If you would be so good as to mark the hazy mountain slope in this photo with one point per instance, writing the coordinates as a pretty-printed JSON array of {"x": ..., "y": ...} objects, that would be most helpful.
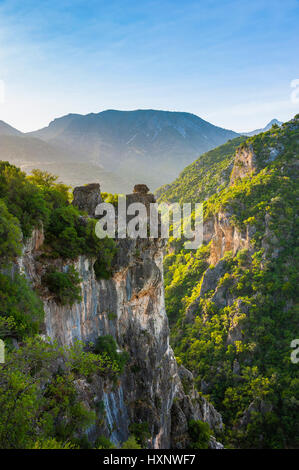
[
  {"x": 264, "y": 129},
  {"x": 29, "y": 152},
  {"x": 6, "y": 129},
  {"x": 201, "y": 179},
  {"x": 144, "y": 145}
]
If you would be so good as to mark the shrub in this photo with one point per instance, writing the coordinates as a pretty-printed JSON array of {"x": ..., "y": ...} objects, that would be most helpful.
[
  {"x": 131, "y": 443},
  {"x": 55, "y": 194},
  {"x": 141, "y": 432},
  {"x": 62, "y": 234},
  {"x": 103, "y": 265},
  {"x": 199, "y": 433},
  {"x": 52, "y": 443},
  {"x": 110, "y": 198},
  {"x": 107, "y": 344},
  {"x": 65, "y": 285},
  {"x": 70, "y": 235},
  {"x": 103, "y": 442}
]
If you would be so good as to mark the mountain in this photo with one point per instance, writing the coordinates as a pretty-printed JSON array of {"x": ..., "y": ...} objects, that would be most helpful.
[
  {"x": 28, "y": 152},
  {"x": 6, "y": 129},
  {"x": 233, "y": 303},
  {"x": 232, "y": 306},
  {"x": 266, "y": 128},
  {"x": 142, "y": 146}
]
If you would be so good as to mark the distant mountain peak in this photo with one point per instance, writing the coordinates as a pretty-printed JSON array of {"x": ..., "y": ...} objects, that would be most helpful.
[
  {"x": 142, "y": 144},
  {"x": 264, "y": 129},
  {"x": 274, "y": 121}
]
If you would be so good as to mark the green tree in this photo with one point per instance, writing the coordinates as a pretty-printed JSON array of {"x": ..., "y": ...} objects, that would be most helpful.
[{"x": 10, "y": 235}]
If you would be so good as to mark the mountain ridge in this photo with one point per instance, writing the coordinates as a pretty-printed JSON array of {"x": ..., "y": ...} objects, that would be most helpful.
[
  {"x": 116, "y": 147},
  {"x": 7, "y": 129},
  {"x": 264, "y": 129},
  {"x": 115, "y": 139}
]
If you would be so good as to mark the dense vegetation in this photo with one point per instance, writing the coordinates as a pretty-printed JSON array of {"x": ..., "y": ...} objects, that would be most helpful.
[
  {"x": 40, "y": 404},
  {"x": 236, "y": 337}
]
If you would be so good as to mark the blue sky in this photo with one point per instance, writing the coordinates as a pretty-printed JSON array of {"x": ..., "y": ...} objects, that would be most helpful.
[{"x": 230, "y": 62}]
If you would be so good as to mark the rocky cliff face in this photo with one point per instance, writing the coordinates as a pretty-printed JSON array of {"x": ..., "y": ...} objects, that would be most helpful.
[
  {"x": 87, "y": 197},
  {"x": 244, "y": 163},
  {"x": 218, "y": 229},
  {"x": 225, "y": 236},
  {"x": 130, "y": 307}
]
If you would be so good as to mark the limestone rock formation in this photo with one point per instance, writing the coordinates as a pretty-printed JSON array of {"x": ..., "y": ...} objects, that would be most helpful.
[
  {"x": 141, "y": 194},
  {"x": 244, "y": 164},
  {"x": 130, "y": 307},
  {"x": 141, "y": 188},
  {"x": 226, "y": 237},
  {"x": 86, "y": 198}
]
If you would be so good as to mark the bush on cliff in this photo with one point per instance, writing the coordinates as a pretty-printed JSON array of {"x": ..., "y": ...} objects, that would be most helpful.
[
  {"x": 200, "y": 434},
  {"x": 103, "y": 265},
  {"x": 70, "y": 235},
  {"x": 64, "y": 285},
  {"x": 55, "y": 193},
  {"x": 141, "y": 433},
  {"x": 63, "y": 233},
  {"x": 21, "y": 311},
  {"x": 107, "y": 344},
  {"x": 131, "y": 443}
]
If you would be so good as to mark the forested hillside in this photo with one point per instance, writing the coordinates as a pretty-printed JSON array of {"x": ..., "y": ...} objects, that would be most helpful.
[{"x": 233, "y": 304}]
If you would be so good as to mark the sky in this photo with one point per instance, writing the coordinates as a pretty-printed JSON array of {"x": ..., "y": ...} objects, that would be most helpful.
[{"x": 231, "y": 62}]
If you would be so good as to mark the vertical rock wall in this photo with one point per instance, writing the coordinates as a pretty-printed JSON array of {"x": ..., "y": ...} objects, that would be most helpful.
[{"x": 130, "y": 307}]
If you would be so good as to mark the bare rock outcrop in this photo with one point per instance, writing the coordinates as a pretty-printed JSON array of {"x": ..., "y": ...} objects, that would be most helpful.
[
  {"x": 227, "y": 237},
  {"x": 141, "y": 194},
  {"x": 86, "y": 198},
  {"x": 141, "y": 189},
  {"x": 244, "y": 164}
]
